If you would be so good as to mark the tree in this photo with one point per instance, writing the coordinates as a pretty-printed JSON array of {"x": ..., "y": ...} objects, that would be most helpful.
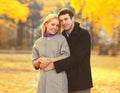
[
  {"x": 35, "y": 17},
  {"x": 103, "y": 13},
  {"x": 14, "y": 10}
]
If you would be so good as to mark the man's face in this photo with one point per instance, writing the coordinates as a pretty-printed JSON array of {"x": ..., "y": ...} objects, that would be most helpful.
[{"x": 66, "y": 22}]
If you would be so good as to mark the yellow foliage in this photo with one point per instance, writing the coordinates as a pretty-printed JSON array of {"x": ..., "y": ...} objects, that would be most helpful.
[
  {"x": 48, "y": 6},
  {"x": 103, "y": 12},
  {"x": 77, "y": 5},
  {"x": 62, "y": 2},
  {"x": 14, "y": 10}
]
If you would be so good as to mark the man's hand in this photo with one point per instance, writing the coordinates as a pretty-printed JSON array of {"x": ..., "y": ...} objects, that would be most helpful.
[{"x": 49, "y": 67}]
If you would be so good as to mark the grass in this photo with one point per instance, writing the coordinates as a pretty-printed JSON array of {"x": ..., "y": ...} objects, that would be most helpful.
[
  {"x": 17, "y": 74},
  {"x": 106, "y": 75}
]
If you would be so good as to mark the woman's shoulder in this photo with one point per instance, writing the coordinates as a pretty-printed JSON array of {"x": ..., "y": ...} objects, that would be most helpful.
[
  {"x": 38, "y": 40},
  {"x": 60, "y": 36}
]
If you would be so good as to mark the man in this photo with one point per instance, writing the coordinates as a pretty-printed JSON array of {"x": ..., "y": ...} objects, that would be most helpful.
[{"x": 77, "y": 66}]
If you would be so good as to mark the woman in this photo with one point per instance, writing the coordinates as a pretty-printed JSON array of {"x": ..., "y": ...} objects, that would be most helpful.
[{"x": 52, "y": 45}]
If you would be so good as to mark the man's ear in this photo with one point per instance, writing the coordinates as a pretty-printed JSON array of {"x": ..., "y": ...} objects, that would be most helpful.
[{"x": 73, "y": 18}]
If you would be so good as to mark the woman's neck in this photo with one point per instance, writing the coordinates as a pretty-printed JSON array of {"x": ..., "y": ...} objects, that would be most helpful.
[{"x": 46, "y": 34}]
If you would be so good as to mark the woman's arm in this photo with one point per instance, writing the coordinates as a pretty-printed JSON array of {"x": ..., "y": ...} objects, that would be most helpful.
[
  {"x": 64, "y": 53},
  {"x": 35, "y": 57}
]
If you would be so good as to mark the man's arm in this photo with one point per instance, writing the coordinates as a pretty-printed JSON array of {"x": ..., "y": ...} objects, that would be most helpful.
[{"x": 81, "y": 53}]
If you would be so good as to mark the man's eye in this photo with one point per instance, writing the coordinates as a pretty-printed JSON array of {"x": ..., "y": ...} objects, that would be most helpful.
[{"x": 66, "y": 18}]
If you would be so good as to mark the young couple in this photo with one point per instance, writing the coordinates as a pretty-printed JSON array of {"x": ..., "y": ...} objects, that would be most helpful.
[{"x": 63, "y": 60}]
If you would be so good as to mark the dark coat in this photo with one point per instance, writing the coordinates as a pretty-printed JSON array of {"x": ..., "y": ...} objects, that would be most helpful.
[{"x": 77, "y": 66}]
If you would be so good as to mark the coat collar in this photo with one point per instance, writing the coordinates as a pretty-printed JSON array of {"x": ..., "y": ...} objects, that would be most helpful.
[{"x": 75, "y": 29}]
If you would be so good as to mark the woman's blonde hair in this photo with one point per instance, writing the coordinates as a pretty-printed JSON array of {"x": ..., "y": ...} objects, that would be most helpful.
[{"x": 48, "y": 19}]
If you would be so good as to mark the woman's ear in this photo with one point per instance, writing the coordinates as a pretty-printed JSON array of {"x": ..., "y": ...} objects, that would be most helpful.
[{"x": 45, "y": 25}]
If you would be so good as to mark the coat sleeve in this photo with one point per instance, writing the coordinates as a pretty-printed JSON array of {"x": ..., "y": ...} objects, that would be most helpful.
[
  {"x": 35, "y": 56},
  {"x": 81, "y": 54},
  {"x": 64, "y": 49}
]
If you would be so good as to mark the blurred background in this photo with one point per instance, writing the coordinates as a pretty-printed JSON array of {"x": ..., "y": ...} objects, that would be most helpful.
[{"x": 20, "y": 22}]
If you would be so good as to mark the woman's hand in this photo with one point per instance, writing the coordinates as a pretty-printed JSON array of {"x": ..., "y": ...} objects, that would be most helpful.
[
  {"x": 44, "y": 62},
  {"x": 37, "y": 64}
]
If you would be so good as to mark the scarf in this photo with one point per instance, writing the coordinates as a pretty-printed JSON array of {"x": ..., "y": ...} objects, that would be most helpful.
[{"x": 48, "y": 34}]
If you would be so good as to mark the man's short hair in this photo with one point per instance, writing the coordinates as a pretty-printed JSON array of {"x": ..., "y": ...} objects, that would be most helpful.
[{"x": 64, "y": 11}]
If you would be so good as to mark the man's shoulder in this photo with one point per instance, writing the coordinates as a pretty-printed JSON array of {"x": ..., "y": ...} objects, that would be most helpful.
[
  {"x": 81, "y": 32},
  {"x": 83, "y": 29},
  {"x": 79, "y": 29}
]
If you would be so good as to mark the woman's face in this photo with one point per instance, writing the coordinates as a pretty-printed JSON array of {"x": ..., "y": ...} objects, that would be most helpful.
[{"x": 52, "y": 26}]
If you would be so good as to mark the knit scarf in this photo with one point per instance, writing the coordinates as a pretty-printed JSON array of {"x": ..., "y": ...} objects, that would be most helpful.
[{"x": 48, "y": 34}]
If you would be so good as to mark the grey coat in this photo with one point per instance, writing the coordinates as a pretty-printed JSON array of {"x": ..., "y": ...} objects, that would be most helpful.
[{"x": 55, "y": 47}]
